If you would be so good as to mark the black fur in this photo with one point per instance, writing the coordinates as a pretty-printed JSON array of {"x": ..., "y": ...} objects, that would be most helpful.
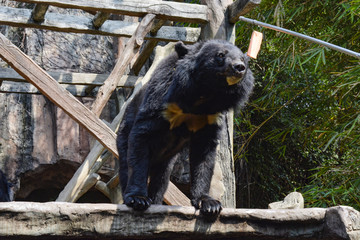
[{"x": 194, "y": 80}]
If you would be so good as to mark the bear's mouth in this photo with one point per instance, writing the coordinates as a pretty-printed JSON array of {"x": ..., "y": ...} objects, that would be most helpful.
[{"x": 232, "y": 77}]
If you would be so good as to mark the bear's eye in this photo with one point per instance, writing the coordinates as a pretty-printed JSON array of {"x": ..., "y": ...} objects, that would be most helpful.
[{"x": 221, "y": 55}]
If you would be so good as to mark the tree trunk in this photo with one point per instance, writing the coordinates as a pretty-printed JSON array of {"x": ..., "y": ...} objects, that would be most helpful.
[{"x": 223, "y": 183}]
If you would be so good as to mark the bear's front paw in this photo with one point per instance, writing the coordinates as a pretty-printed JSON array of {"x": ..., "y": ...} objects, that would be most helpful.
[
  {"x": 208, "y": 206},
  {"x": 138, "y": 203}
]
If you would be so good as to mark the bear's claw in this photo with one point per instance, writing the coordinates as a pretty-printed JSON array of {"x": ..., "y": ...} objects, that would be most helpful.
[
  {"x": 138, "y": 203},
  {"x": 210, "y": 207}
]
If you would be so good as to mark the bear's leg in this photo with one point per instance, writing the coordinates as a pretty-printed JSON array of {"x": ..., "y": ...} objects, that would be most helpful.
[
  {"x": 202, "y": 161},
  {"x": 122, "y": 146},
  {"x": 135, "y": 194},
  {"x": 159, "y": 179}
]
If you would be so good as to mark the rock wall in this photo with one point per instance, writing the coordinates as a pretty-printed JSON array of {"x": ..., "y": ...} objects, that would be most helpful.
[{"x": 35, "y": 135}]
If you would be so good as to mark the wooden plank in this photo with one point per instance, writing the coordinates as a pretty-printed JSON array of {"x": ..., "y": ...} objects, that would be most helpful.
[
  {"x": 240, "y": 8},
  {"x": 57, "y": 94},
  {"x": 39, "y": 11},
  {"x": 131, "y": 48},
  {"x": 99, "y": 19},
  {"x": 145, "y": 54},
  {"x": 147, "y": 48},
  {"x": 173, "y": 196},
  {"x": 28, "y": 88},
  {"x": 19, "y": 17},
  {"x": 181, "y": 12},
  {"x": 87, "y": 79}
]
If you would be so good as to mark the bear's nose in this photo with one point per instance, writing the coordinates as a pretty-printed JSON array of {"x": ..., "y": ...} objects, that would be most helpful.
[{"x": 239, "y": 67}]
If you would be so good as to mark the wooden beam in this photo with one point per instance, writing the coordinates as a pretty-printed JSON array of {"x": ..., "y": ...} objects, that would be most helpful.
[
  {"x": 182, "y": 12},
  {"x": 223, "y": 180},
  {"x": 29, "y": 70},
  {"x": 100, "y": 18},
  {"x": 28, "y": 88},
  {"x": 87, "y": 79},
  {"x": 173, "y": 196},
  {"x": 148, "y": 47},
  {"x": 19, "y": 17},
  {"x": 39, "y": 11},
  {"x": 240, "y": 8},
  {"x": 131, "y": 48},
  {"x": 145, "y": 54}
]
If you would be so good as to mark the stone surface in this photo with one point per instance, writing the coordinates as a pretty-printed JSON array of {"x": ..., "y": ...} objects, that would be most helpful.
[
  {"x": 40, "y": 145},
  {"x": 110, "y": 221},
  {"x": 293, "y": 200}
]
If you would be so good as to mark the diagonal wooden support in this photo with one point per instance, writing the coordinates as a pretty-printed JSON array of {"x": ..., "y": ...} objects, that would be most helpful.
[
  {"x": 39, "y": 11},
  {"x": 131, "y": 48},
  {"x": 100, "y": 18},
  {"x": 48, "y": 86},
  {"x": 148, "y": 47}
]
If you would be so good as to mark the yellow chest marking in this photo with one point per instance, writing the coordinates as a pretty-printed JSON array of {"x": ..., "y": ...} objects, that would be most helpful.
[{"x": 194, "y": 122}]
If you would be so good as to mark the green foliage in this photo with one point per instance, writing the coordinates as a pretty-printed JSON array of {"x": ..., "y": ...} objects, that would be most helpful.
[{"x": 301, "y": 128}]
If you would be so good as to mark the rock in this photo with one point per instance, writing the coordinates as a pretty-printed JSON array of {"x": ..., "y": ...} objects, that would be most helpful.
[
  {"x": 55, "y": 220},
  {"x": 35, "y": 134},
  {"x": 293, "y": 200}
]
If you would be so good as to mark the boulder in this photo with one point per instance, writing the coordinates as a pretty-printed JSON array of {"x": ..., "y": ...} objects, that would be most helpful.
[{"x": 293, "y": 200}]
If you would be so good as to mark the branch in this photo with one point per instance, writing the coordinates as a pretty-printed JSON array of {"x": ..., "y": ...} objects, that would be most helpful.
[{"x": 240, "y": 8}]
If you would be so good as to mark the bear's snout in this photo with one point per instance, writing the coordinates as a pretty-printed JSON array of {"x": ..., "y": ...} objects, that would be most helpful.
[{"x": 239, "y": 68}]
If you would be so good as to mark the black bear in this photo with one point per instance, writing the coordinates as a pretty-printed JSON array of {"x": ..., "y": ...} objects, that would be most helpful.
[{"x": 180, "y": 107}]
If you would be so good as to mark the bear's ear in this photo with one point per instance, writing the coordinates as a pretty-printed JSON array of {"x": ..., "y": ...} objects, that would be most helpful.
[{"x": 181, "y": 49}]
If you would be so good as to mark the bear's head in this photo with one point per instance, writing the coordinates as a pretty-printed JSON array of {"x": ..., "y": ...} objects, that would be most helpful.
[
  {"x": 210, "y": 77},
  {"x": 222, "y": 61}
]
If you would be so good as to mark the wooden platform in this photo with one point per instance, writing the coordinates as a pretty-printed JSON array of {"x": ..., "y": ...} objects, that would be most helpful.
[{"x": 29, "y": 220}]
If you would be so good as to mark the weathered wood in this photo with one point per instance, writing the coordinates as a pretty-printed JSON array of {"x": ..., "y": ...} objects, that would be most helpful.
[
  {"x": 145, "y": 54},
  {"x": 173, "y": 196},
  {"x": 182, "y": 12},
  {"x": 103, "y": 188},
  {"x": 57, "y": 94},
  {"x": 90, "y": 181},
  {"x": 30, "y": 220},
  {"x": 28, "y": 88},
  {"x": 240, "y": 8},
  {"x": 39, "y": 11},
  {"x": 218, "y": 27},
  {"x": 80, "y": 24},
  {"x": 131, "y": 48},
  {"x": 147, "y": 48},
  {"x": 71, "y": 190},
  {"x": 156, "y": 26},
  {"x": 87, "y": 79},
  {"x": 99, "y": 19}
]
